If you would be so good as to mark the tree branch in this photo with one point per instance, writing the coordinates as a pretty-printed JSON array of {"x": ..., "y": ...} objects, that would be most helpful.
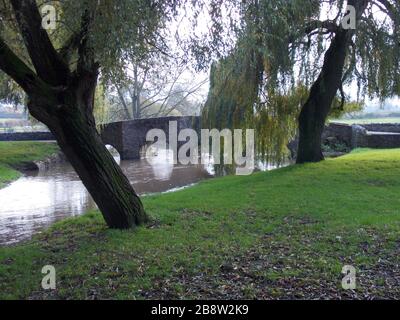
[
  {"x": 86, "y": 60},
  {"x": 317, "y": 24},
  {"x": 70, "y": 45},
  {"x": 389, "y": 9},
  {"x": 44, "y": 57},
  {"x": 122, "y": 100},
  {"x": 12, "y": 65}
]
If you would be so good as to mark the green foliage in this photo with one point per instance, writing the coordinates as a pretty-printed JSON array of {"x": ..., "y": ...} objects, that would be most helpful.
[
  {"x": 101, "y": 106},
  {"x": 306, "y": 223},
  {"x": 338, "y": 109},
  {"x": 117, "y": 29},
  {"x": 292, "y": 37},
  {"x": 335, "y": 147},
  {"x": 279, "y": 50},
  {"x": 10, "y": 93},
  {"x": 237, "y": 100}
]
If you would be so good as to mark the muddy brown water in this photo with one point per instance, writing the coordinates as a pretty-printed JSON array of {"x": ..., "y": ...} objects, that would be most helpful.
[{"x": 38, "y": 199}]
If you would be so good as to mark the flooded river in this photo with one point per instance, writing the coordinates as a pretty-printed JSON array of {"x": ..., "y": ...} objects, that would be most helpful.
[{"x": 39, "y": 199}]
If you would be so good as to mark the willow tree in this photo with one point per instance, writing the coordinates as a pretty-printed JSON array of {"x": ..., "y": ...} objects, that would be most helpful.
[
  {"x": 57, "y": 63},
  {"x": 237, "y": 100},
  {"x": 292, "y": 48}
]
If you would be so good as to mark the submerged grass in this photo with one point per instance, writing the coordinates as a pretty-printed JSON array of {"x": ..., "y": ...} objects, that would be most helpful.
[{"x": 280, "y": 234}]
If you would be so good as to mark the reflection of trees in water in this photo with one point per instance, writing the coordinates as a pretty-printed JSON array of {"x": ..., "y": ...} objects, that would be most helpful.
[
  {"x": 44, "y": 197},
  {"x": 222, "y": 169}
]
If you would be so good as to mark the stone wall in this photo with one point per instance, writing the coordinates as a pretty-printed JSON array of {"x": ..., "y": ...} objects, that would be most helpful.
[
  {"x": 338, "y": 133},
  {"x": 383, "y": 127},
  {"x": 379, "y": 135},
  {"x": 365, "y": 136},
  {"x": 382, "y": 140},
  {"x": 356, "y": 136}
]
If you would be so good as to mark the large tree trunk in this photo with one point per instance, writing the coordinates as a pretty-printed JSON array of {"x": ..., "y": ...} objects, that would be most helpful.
[
  {"x": 101, "y": 175},
  {"x": 74, "y": 127},
  {"x": 63, "y": 99},
  {"x": 314, "y": 113}
]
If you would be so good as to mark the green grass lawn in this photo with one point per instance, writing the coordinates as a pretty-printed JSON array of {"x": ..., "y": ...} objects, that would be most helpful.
[
  {"x": 280, "y": 234},
  {"x": 14, "y": 154}
]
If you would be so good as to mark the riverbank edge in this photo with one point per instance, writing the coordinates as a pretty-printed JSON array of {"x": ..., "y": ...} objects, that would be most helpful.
[
  {"x": 26, "y": 157},
  {"x": 48, "y": 161}
]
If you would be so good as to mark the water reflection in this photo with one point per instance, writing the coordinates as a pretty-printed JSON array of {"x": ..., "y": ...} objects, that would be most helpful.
[{"x": 39, "y": 199}]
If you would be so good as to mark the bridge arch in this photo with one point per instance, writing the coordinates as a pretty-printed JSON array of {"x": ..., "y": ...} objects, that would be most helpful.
[{"x": 129, "y": 137}]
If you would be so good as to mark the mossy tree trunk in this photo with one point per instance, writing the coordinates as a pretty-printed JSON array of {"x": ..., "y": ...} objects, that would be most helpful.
[
  {"x": 315, "y": 111},
  {"x": 63, "y": 100},
  {"x": 76, "y": 133}
]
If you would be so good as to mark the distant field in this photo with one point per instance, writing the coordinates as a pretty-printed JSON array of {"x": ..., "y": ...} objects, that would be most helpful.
[
  {"x": 9, "y": 120},
  {"x": 19, "y": 125},
  {"x": 23, "y": 129},
  {"x": 368, "y": 121}
]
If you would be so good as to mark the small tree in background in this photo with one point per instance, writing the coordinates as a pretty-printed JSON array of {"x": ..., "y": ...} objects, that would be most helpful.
[{"x": 154, "y": 86}]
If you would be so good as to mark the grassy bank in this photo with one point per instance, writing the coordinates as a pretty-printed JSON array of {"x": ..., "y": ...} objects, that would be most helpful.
[
  {"x": 281, "y": 234},
  {"x": 13, "y": 155}
]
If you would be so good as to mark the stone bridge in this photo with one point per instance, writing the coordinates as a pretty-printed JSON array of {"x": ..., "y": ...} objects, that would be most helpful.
[{"x": 129, "y": 137}]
